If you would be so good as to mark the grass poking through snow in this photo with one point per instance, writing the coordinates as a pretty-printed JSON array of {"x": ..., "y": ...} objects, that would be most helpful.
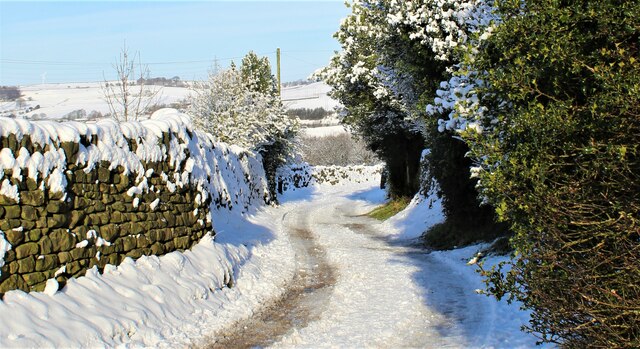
[{"x": 389, "y": 209}]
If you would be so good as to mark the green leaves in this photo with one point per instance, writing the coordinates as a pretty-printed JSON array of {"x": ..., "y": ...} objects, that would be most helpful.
[{"x": 561, "y": 164}]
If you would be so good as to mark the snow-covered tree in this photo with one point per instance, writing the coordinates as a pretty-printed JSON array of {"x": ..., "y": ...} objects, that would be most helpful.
[
  {"x": 395, "y": 54},
  {"x": 256, "y": 73},
  {"x": 372, "y": 100},
  {"x": 236, "y": 108},
  {"x": 433, "y": 38}
]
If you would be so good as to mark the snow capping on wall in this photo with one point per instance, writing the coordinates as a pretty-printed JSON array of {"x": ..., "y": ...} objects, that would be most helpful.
[
  {"x": 46, "y": 156},
  {"x": 127, "y": 145}
]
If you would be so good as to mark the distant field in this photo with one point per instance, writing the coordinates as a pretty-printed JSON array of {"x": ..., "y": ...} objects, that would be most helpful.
[{"x": 57, "y": 101}]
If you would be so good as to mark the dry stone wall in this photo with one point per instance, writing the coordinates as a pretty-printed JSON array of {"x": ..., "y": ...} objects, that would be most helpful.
[{"x": 74, "y": 197}]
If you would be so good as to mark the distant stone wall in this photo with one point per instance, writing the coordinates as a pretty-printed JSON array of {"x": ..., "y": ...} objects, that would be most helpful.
[
  {"x": 303, "y": 175},
  {"x": 73, "y": 198}
]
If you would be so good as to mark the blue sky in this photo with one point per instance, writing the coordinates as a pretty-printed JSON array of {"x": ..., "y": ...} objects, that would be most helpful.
[{"x": 79, "y": 41}]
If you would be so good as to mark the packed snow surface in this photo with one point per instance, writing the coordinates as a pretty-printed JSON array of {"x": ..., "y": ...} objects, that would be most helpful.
[{"x": 388, "y": 293}]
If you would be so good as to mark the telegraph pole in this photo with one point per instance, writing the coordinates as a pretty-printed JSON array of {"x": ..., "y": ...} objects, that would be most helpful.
[{"x": 278, "y": 71}]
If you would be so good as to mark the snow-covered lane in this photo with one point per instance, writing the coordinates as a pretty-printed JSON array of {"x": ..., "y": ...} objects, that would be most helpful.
[
  {"x": 388, "y": 293},
  {"x": 376, "y": 301}
]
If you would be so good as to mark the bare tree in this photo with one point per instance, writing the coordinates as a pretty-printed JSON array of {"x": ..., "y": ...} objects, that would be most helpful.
[{"x": 128, "y": 101}]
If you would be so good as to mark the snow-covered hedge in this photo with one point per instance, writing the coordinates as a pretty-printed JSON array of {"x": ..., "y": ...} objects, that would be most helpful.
[
  {"x": 74, "y": 195},
  {"x": 303, "y": 175}
]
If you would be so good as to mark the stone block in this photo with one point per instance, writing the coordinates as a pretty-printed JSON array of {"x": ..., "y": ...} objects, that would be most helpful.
[
  {"x": 104, "y": 188},
  {"x": 28, "y": 225},
  {"x": 80, "y": 231},
  {"x": 80, "y": 203},
  {"x": 169, "y": 218},
  {"x": 80, "y": 175},
  {"x": 49, "y": 261},
  {"x": 169, "y": 234},
  {"x": 74, "y": 268},
  {"x": 101, "y": 218},
  {"x": 119, "y": 206},
  {"x": 76, "y": 218},
  {"x": 34, "y": 278},
  {"x": 62, "y": 240},
  {"x": 32, "y": 197},
  {"x": 108, "y": 199},
  {"x": 57, "y": 220},
  {"x": 14, "y": 237},
  {"x": 33, "y": 235},
  {"x": 28, "y": 213},
  {"x": 117, "y": 217},
  {"x": 149, "y": 197},
  {"x": 157, "y": 249},
  {"x": 107, "y": 250},
  {"x": 32, "y": 186},
  {"x": 13, "y": 282},
  {"x": 9, "y": 256},
  {"x": 64, "y": 257},
  {"x": 119, "y": 245},
  {"x": 182, "y": 243},
  {"x": 114, "y": 259},
  {"x": 26, "y": 265},
  {"x": 129, "y": 243},
  {"x": 154, "y": 235},
  {"x": 83, "y": 253},
  {"x": 135, "y": 254},
  {"x": 56, "y": 195},
  {"x": 57, "y": 206},
  {"x": 137, "y": 228},
  {"x": 109, "y": 232},
  {"x": 104, "y": 175},
  {"x": 96, "y": 206},
  {"x": 46, "y": 245},
  {"x": 70, "y": 150},
  {"x": 39, "y": 287},
  {"x": 143, "y": 241},
  {"x": 180, "y": 231},
  {"x": 13, "y": 267},
  {"x": 169, "y": 246},
  {"x": 12, "y": 211},
  {"x": 27, "y": 249},
  {"x": 41, "y": 223}
]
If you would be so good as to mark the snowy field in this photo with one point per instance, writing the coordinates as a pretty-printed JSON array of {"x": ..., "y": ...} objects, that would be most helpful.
[
  {"x": 387, "y": 292},
  {"x": 309, "y": 96},
  {"x": 58, "y": 100}
]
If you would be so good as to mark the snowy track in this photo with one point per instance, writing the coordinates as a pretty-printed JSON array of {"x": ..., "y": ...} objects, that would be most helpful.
[
  {"x": 356, "y": 288},
  {"x": 301, "y": 302}
]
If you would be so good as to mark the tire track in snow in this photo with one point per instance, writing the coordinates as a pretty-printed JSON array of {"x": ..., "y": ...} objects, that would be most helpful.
[{"x": 300, "y": 303}]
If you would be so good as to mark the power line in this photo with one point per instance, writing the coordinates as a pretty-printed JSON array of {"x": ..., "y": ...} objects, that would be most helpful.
[{"x": 39, "y": 62}]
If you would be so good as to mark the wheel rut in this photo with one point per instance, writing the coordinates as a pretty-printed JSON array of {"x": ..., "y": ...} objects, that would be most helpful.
[{"x": 301, "y": 303}]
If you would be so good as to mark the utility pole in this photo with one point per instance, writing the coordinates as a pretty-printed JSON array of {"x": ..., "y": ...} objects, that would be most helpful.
[{"x": 278, "y": 71}]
